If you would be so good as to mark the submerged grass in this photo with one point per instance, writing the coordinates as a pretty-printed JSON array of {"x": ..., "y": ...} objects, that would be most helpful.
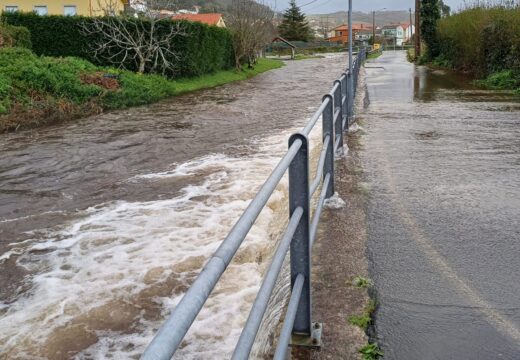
[{"x": 37, "y": 90}]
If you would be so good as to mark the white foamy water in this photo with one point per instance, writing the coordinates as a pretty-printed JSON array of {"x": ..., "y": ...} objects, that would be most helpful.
[
  {"x": 335, "y": 202},
  {"x": 103, "y": 284}
]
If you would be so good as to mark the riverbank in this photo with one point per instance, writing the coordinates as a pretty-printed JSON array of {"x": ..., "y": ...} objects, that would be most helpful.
[{"x": 36, "y": 91}]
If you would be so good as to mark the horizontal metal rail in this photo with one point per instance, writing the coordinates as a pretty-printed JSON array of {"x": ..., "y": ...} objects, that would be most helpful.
[
  {"x": 170, "y": 335},
  {"x": 290, "y": 316},
  {"x": 299, "y": 235},
  {"x": 247, "y": 338}
]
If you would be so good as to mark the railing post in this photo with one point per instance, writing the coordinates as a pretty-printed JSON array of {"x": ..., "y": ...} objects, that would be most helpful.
[
  {"x": 339, "y": 121},
  {"x": 350, "y": 98},
  {"x": 328, "y": 130},
  {"x": 300, "y": 245},
  {"x": 344, "y": 87},
  {"x": 354, "y": 86}
]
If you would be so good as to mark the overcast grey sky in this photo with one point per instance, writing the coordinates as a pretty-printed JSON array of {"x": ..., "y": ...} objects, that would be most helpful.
[{"x": 328, "y": 6}]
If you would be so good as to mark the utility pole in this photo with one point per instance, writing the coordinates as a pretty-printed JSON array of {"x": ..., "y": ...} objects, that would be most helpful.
[
  {"x": 417, "y": 28},
  {"x": 410, "y": 27},
  {"x": 373, "y": 29},
  {"x": 350, "y": 79},
  {"x": 350, "y": 60}
]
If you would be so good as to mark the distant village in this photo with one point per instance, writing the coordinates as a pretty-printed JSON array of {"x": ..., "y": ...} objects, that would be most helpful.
[{"x": 363, "y": 33}]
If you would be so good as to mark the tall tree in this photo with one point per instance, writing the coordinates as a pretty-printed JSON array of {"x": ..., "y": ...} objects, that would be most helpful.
[
  {"x": 294, "y": 25},
  {"x": 251, "y": 25},
  {"x": 444, "y": 8},
  {"x": 430, "y": 15}
]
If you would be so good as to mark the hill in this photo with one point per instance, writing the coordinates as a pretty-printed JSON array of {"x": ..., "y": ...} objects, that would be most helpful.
[{"x": 382, "y": 17}]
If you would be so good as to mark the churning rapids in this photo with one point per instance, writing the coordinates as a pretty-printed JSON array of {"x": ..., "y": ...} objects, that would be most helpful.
[{"x": 105, "y": 222}]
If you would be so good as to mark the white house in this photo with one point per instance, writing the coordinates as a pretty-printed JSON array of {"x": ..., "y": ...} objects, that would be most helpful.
[{"x": 401, "y": 33}]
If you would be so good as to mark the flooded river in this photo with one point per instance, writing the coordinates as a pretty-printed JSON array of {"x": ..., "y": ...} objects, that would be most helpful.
[
  {"x": 105, "y": 221},
  {"x": 442, "y": 163}
]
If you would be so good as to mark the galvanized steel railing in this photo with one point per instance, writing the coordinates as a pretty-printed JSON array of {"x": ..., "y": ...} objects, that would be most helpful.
[{"x": 336, "y": 111}]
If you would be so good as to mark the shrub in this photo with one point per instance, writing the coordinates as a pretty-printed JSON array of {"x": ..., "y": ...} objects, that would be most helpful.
[
  {"x": 14, "y": 36},
  {"x": 204, "y": 49},
  {"x": 482, "y": 40},
  {"x": 58, "y": 77},
  {"x": 506, "y": 79},
  {"x": 137, "y": 89}
]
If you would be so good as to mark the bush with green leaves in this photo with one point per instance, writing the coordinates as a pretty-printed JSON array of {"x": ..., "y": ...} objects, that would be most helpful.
[
  {"x": 481, "y": 40},
  {"x": 203, "y": 49},
  {"x": 27, "y": 73},
  {"x": 15, "y": 36}
]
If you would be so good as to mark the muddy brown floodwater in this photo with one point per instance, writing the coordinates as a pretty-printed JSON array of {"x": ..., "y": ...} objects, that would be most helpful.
[
  {"x": 442, "y": 166},
  {"x": 104, "y": 222}
]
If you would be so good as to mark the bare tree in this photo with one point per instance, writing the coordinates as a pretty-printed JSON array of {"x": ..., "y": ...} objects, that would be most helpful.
[
  {"x": 145, "y": 41},
  {"x": 251, "y": 25}
]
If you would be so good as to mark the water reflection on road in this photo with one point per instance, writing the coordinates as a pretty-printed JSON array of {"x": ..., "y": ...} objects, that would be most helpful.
[{"x": 442, "y": 161}]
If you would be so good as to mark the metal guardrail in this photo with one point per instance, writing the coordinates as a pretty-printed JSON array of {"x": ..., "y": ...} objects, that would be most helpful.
[{"x": 336, "y": 111}]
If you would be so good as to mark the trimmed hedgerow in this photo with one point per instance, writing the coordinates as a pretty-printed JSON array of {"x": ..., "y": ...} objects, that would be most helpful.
[{"x": 204, "y": 49}]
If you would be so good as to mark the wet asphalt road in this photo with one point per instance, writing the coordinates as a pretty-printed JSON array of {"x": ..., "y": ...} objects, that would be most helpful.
[{"x": 442, "y": 166}]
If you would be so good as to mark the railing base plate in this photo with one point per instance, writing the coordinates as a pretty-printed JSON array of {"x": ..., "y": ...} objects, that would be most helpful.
[{"x": 313, "y": 341}]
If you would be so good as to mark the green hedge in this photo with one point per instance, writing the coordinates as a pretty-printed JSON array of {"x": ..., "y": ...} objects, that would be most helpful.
[
  {"x": 203, "y": 50},
  {"x": 481, "y": 40}
]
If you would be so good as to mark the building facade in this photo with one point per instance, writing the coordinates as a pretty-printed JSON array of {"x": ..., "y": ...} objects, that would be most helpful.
[
  {"x": 399, "y": 33},
  {"x": 65, "y": 7},
  {"x": 340, "y": 33}
]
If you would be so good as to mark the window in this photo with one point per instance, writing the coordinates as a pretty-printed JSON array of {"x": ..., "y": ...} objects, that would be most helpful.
[
  {"x": 41, "y": 10},
  {"x": 11, "y": 9},
  {"x": 69, "y": 10}
]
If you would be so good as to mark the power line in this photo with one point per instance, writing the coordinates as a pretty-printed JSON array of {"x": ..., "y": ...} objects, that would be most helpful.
[
  {"x": 310, "y": 2},
  {"x": 319, "y": 5}
]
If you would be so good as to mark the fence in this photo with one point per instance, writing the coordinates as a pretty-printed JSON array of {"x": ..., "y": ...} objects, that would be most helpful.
[{"x": 336, "y": 112}]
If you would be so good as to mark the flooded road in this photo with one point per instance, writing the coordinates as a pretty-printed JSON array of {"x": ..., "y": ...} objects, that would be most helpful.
[
  {"x": 104, "y": 222},
  {"x": 442, "y": 165}
]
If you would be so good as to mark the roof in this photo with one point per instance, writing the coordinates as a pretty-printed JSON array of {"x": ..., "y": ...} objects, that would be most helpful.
[
  {"x": 210, "y": 19},
  {"x": 279, "y": 38},
  {"x": 355, "y": 26},
  {"x": 394, "y": 26}
]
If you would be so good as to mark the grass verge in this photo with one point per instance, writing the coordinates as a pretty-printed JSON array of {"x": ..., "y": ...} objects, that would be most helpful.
[
  {"x": 223, "y": 77},
  {"x": 374, "y": 55},
  {"x": 38, "y": 90}
]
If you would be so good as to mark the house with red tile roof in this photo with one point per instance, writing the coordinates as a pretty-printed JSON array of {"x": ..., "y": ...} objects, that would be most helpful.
[
  {"x": 340, "y": 33},
  {"x": 213, "y": 19}
]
